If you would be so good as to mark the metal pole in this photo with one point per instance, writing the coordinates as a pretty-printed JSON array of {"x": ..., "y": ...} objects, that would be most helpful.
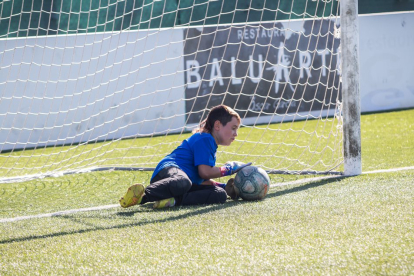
[{"x": 350, "y": 87}]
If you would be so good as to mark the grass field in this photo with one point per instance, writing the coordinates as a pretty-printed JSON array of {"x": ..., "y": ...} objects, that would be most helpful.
[{"x": 339, "y": 226}]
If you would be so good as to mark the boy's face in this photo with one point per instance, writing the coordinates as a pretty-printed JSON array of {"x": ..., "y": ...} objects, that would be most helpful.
[{"x": 225, "y": 135}]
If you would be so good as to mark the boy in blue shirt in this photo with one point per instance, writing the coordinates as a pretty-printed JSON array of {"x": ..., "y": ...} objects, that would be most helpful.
[{"x": 184, "y": 177}]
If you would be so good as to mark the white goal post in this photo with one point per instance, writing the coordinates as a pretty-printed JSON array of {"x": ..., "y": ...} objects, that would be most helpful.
[
  {"x": 94, "y": 85},
  {"x": 350, "y": 87}
]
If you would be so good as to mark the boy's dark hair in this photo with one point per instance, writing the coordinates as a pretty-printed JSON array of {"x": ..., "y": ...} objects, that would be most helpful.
[{"x": 222, "y": 113}]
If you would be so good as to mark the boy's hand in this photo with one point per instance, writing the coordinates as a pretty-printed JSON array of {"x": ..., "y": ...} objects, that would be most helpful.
[
  {"x": 232, "y": 167},
  {"x": 230, "y": 190}
]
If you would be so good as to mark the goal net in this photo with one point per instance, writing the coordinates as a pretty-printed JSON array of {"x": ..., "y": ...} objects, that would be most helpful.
[{"x": 91, "y": 85}]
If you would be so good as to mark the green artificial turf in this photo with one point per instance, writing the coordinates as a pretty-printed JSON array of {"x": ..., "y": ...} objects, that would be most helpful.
[{"x": 359, "y": 225}]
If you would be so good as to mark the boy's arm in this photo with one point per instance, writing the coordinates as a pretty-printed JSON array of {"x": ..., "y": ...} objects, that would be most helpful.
[
  {"x": 209, "y": 182},
  {"x": 229, "y": 187},
  {"x": 208, "y": 172}
]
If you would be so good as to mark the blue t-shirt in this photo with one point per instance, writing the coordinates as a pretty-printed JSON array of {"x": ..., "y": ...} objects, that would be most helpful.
[{"x": 199, "y": 149}]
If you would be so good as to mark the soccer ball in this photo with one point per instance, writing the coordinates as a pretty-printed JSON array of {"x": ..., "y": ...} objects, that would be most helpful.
[{"x": 252, "y": 183}]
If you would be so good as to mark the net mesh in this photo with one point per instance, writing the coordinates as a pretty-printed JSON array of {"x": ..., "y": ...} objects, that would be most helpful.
[{"x": 104, "y": 84}]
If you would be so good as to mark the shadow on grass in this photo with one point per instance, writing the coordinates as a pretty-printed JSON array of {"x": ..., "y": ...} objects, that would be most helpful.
[{"x": 199, "y": 210}]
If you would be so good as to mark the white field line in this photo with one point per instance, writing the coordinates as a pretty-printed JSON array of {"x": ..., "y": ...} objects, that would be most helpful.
[
  {"x": 391, "y": 170},
  {"x": 104, "y": 207},
  {"x": 60, "y": 213},
  {"x": 310, "y": 180}
]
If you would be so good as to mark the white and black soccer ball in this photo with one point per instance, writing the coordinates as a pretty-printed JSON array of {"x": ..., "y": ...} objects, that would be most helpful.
[{"x": 252, "y": 183}]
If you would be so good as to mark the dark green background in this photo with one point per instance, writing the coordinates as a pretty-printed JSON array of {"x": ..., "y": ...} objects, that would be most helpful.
[{"x": 21, "y": 18}]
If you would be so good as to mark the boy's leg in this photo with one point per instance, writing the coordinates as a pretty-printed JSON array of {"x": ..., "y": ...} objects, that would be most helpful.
[
  {"x": 133, "y": 196},
  {"x": 169, "y": 182},
  {"x": 203, "y": 194}
]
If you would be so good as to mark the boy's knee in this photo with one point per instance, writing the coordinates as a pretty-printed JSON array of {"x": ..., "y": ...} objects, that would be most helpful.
[
  {"x": 221, "y": 195},
  {"x": 181, "y": 186}
]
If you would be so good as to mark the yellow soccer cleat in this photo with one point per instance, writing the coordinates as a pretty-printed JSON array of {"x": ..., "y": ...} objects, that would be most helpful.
[
  {"x": 169, "y": 202},
  {"x": 133, "y": 196}
]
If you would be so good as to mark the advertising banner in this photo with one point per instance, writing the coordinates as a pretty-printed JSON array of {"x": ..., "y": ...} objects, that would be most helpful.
[{"x": 283, "y": 67}]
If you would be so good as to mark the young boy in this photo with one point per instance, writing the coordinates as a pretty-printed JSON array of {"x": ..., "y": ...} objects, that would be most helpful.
[{"x": 184, "y": 177}]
